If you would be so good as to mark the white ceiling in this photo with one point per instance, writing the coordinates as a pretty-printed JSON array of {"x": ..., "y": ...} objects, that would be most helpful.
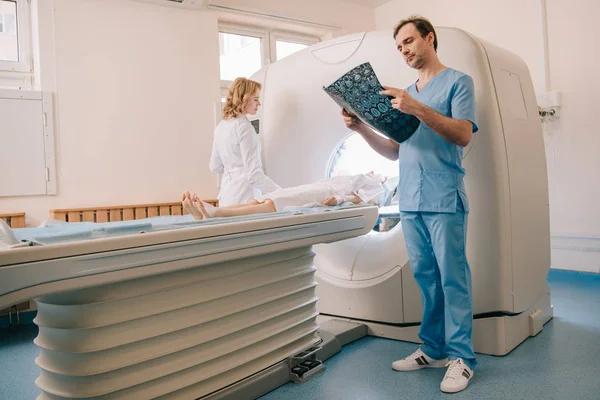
[{"x": 368, "y": 3}]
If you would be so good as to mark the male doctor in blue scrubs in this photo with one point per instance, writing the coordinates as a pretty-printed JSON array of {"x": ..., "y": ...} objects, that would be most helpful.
[{"x": 433, "y": 201}]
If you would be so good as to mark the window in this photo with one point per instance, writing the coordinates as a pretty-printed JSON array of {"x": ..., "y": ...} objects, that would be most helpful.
[
  {"x": 244, "y": 51},
  {"x": 8, "y": 23},
  {"x": 15, "y": 55},
  {"x": 286, "y": 44},
  {"x": 240, "y": 55},
  {"x": 284, "y": 49},
  {"x": 9, "y": 46}
]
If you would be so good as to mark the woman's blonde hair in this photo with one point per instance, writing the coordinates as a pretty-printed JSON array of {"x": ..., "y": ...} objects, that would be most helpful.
[{"x": 238, "y": 96}]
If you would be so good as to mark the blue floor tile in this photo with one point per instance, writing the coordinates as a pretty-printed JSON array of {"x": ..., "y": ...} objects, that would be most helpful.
[
  {"x": 561, "y": 362},
  {"x": 17, "y": 363}
]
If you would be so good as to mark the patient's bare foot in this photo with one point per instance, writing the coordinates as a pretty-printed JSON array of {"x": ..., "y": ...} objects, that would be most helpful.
[
  {"x": 192, "y": 209},
  {"x": 186, "y": 195},
  {"x": 189, "y": 195},
  {"x": 199, "y": 205}
]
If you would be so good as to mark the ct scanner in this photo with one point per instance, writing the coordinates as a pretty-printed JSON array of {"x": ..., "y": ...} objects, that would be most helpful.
[
  {"x": 171, "y": 308},
  {"x": 368, "y": 279}
]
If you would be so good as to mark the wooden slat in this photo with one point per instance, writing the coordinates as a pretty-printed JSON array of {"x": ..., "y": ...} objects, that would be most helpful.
[
  {"x": 59, "y": 216},
  {"x": 115, "y": 214},
  {"x": 88, "y": 216},
  {"x": 101, "y": 216},
  {"x": 152, "y": 212},
  {"x": 19, "y": 214},
  {"x": 74, "y": 216},
  {"x": 176, "y": 209},
  {"x": 140, "y": 212},
  {"x": 128, "y": 214},
  {"x": 17, "y": 222},
  {"x": 165, "y": 210}
]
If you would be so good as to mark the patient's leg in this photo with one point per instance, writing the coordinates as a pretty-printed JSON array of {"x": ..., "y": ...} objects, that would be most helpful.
[
  {"x": 209, "y": 211},
  {"x": 250, "y": 203}
]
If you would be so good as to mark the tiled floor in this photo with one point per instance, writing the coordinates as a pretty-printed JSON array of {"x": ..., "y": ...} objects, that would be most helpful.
[{"x": 562, "y": 362}]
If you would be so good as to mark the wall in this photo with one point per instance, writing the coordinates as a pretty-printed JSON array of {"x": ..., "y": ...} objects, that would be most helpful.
[
  {"x": 135, "y": 86},
  {"x": 496, "y": 22},
  {"x": 572, "y": 140}
]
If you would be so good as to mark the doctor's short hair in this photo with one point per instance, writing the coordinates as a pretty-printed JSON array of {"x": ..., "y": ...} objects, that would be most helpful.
[
  {"x": 238, "y": 95},
  {"x": 423, "y": 26}
]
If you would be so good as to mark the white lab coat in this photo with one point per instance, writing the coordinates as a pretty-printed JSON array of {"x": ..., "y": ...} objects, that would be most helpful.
[{"x": 236, "y": 155}]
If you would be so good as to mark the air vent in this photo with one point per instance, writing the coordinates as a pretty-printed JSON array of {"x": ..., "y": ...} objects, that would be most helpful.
[{"x": 187, "y": 4}]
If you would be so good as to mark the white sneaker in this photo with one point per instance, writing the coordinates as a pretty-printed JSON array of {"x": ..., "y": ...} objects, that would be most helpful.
[
  {"x": 457, "y": 376},
  {"x": 418, "y": 360}
]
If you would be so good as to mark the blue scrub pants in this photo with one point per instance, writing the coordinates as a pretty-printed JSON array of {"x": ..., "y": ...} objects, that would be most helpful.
[{"x": 437, "y": 255}]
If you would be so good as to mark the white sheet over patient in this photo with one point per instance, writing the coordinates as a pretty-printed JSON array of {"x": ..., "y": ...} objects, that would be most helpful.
[{"x": 368, "y": 187}]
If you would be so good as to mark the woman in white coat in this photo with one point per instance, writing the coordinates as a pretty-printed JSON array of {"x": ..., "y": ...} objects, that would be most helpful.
[{"x": 236, "y": 148}]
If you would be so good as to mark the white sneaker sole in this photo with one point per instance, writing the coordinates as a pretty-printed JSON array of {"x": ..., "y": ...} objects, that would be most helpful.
[
  {"x": 416, "y": 367},
  {"x": 454, "y": 389}
]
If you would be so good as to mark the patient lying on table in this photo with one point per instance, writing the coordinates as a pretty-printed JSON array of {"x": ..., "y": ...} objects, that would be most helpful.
[{"x": 357, "y": 189}]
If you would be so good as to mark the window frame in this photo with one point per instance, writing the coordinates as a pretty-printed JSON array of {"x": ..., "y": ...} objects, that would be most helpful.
[
  {"x": 289, "y": 37},
  {"x": 269, "y": 38},
  {"x": 245, "y": 31}
]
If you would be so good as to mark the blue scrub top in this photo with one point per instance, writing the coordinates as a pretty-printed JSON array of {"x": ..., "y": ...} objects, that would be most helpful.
[{"x": 431, "y": 173}]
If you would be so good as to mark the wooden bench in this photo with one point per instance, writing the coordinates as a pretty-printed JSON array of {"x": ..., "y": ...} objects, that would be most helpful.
[{"x": 119, "y": 213}]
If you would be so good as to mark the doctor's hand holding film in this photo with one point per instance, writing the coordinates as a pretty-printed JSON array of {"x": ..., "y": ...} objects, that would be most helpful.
[{"x": 352, "y": 122}]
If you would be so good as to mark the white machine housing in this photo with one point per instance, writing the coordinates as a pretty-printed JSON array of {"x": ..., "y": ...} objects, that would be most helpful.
[{"x": 368, "y": 278}]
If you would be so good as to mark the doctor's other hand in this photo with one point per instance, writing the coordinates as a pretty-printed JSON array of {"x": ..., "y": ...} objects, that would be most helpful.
[
  {"x": 352, "y": 122},
  {"x": 401, "y": 100}
]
